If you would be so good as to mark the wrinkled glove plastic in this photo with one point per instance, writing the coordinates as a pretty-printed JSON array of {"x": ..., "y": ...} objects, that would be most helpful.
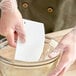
[
  {"x": 67, "y": 50},
  {"x": 6, "y": 5},
  {"x": 11, "y": 23}
]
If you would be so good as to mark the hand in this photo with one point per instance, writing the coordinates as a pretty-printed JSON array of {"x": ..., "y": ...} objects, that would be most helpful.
[
  {"x": 67, "y": 50},
  {"x": 11, "y": 26}
]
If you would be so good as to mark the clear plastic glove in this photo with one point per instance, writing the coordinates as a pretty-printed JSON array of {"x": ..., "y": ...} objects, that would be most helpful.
[
  {"x": 67, "y": 50},
  {"x": 11, "y": 24}
]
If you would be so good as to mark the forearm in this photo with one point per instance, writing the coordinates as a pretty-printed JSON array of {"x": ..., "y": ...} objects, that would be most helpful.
[{"x": 8, "y": 5}]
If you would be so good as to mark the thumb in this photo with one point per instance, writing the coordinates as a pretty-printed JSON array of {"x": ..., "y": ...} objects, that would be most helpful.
[
  {"x": 58, "y": 50},
  {"x": 11, "y": 39}
]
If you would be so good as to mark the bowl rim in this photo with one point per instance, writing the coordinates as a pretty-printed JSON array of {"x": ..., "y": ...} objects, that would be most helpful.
[{"x": 18, "y": 63}]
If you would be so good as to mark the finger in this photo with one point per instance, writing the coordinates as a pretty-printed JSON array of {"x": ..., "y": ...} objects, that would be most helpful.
[
  {"x": 20, "y": 31},
  {"x": 62, "y": 63},
  {"x": 10, "y": 39},
  {"x": 58, "y": 50},
  {"x": 62, "y": 72}
]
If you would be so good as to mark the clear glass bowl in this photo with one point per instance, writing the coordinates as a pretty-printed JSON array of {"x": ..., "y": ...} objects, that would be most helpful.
[{"x": 11, "y": 67}]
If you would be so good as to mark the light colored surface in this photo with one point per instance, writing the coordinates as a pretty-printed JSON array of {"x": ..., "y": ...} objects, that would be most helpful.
[
  {"x": 70, "y": 73},
  {"x": 32, "y": 49},
  {"x": 57, "y": 36}
]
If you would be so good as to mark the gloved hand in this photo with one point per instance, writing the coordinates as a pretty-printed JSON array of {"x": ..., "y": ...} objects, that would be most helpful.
[
  {"x": 67, "y": 50},
  {"x": 11, "y": 24}
]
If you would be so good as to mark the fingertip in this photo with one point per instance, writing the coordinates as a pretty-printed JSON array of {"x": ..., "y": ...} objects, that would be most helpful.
[
  {"x": 12, "y": 44},
  {"x": 57, "y": 51},
  {"x": 11, "y": 39},
  {"x": 54, "y": 54}
]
